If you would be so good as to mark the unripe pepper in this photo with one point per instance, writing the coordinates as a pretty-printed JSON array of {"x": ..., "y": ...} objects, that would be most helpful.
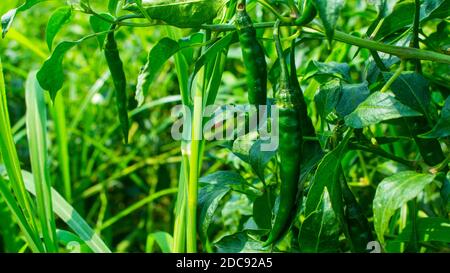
[
  {"x": 289, "y": 149},
  {"x": 253, "y": 56}
]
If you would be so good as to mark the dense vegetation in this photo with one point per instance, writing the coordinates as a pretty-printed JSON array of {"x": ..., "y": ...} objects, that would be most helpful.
[{"x": 357, "y": 93}]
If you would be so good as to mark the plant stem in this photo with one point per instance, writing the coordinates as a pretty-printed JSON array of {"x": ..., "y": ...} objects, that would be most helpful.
[
  {"x": 274, "y": 11},
  {"x": 402, "y": 52},
  {"x": 394, "y": 77},
  {"x": 194, "y": 165},
  {"x": 415, "y": 40},
  {"x": 376, "y": 150}
]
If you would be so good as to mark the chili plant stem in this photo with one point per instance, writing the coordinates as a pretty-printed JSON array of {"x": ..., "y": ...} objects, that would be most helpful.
[
  {"x": 415, "y": 40},
  {"x": 402, "y": 52},
  {"x": 197, "y": 122},
  {"x": 394, "y": 77},
  {"x": 375, "y": 150}
]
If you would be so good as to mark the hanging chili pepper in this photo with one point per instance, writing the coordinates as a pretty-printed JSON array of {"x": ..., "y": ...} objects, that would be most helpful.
[
  {"x": 289, "y": 150},
  {"x": 308, "y": 14},
  {"x": 120, "y": 82},
  {"x": 253, "y": 56}
]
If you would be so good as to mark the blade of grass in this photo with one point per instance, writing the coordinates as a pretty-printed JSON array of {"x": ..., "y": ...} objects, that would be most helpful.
[
  {"x": 29, "y": 234},
  {"x": 37, "y": 140},
  {"x": 71, "y": 217},
  {"x": 179, "y": 236},
  {"x": 59, "y": 118},
  {"x": 12, "y": 163}
]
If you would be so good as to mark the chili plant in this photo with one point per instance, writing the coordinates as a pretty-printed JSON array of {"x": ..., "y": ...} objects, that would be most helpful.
[{"x": 225, "y": 126}]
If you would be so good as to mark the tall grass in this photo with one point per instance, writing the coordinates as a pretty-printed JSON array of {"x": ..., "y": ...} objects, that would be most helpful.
[
  {"x": 36, "y": 217},
  {"x": 36, "y": 120}
]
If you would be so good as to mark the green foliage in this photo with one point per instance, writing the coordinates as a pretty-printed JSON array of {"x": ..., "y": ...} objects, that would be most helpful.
[
  {"x": 392, "y": 193},
  {"x": 361, "y": 89}
]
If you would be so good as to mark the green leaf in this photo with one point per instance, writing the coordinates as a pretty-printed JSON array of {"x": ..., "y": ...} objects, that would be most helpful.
[
  {"x": 230, "y": 180},
  {"x": 51, "y": 74},
  {"x": 211, "y": 53},
  {"x": 36, "y": 123},
  {"x": 327, "y": 175},
  {"x": 156, "y": 59},
  {"x": 352, "y": 96},
  {"x": 329, "y": 11},
  {"x": 432, "y": 229},
  {"x": 164, "y": 240},
  {"x": 240, "y": 243},
  {"x": 403, "y": 15},
  {"x": 99, "y": 25},
  {"x": 320, "y": 230},
  {"x": 261, "y": 206},
  {"x": 392, "y": 193},
  {"x": 15, "y": 195},
  {"x": 8, "y": 18},
  {"x": 57, "y": 20},
  {"x": 442, "y": 127},
  {"x": 412, "y": 89},
  {"x": 377, "y": 108},
  {"x": 180, "y": 13},
  {"x": 71, "y": 217},
  {"x": 328, "y": 97},
  {"x": 323, "y": 71},
  {"x": 215, "y": 187},
  {"x": 112, "y": 7},
  {"x": 208, "y": 201},
  {"x": 259, "y": 158}
]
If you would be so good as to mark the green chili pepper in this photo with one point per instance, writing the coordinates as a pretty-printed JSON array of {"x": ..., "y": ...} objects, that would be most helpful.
[
  {"x": 305, "y": 121},
  {"x": 253, "y": 55},
  {"x": 308, "y": 14},
  {"x": 289, "y": 150},
  {"x": 311, "y": 149},
  {"x": 120, "y": 82},
  {"x": 358, "y": 225}
]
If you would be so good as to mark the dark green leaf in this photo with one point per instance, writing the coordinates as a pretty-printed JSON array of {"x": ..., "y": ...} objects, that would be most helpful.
[
  {"x": 377, "y": 108},
  {"x": 412, "y": 89},
  {"x": 8, "y": 18},
  {"x": 99, "y": 25},
  {"x": 240, "y": 243},
  {"x": 320, "y": 230},
  {"x": 431, "y": 229},
  {"x": 403, "y": 16},
  {"x": 51, "y": 74},
  {"x": 327, "y": 175},
  {"x": 182, "y": 13},
  {"x": 329, "y": 11},
  {"x": 262, "y": 205},
  {"x": 392, "y": 193},
  {"x": 156, "y": 59},
  {"x": 58, "y": 19},
  {"x": 259, "y": 158},
  {"x": 208, "y": 201},
  {"x": 352, "y": 96},
  {"x": 329, "y": 69},
  {"x": 328, "y": 97},
  {"x": 230, "y": 180},
  {"x": 442, "y": 128},
  {"x": 215, "y": 187}
]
